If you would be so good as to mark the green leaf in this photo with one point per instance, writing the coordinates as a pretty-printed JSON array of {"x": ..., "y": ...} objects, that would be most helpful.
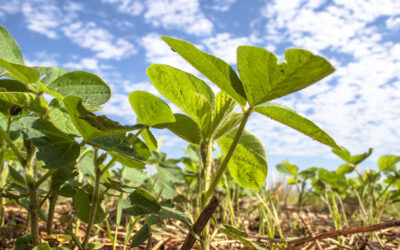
[
  {"x": 215, "y": 69},
  {"x": 387, "y": 161},
  {"x": 43, "y": 88},
  {"x": 169, "y": 213},
  {"x": 119, "y": 143},
  {"x": 42, "y": 246},
  {"x": 308, "y": 173},
  {"x": 91, "y": 125},
  {"x": 13, "y": 85},
  {"x": 287, "y": 168},
  {"x": 223, "y": 108},
  {"x": 289, "y": 117},
  {"x": 234, "y": 231},
  {"x": 186, "y": 91},
  {"x": 141, "y": 202},
  {"x": 10, "y": 86},
  {"x": 357, "y": 159},
  {"x": 231, "y": 121},
  {"x": 134, "y": 176},
  {"x": 149, "y": 138},
  {"x": 91, "y": 88},
  {"x": 55, "y": 148},
  {"x": 248, "y": 165},
  {"x": 344, "y": 154},
  {"x": 61, "y": 118},
  {"x": 23, "y": 243},
  {"x": 26, "y": 100},
  {"x": 95, "y": 245},
  {"x": 141, "y": 236},
  {"x": 49, "y": 74},
  {"x": 19, "y": 72},
  {"x": 332, "y": 178},
  {"x": 264, "y": 79},
  {"x": 86, "y": 165},
  {"x": 344, "y": 169},
  {"x": 128, "y": 162},
  {"x": 82, "y": 205},
  {"x": 61, "y": 176},
  {"x": 9, "y": 49},
  {"x": 16, "y": 177},
  {"x": 150, "y": 109},
  {"x": 239, "y": 235},
  {"x": 185, "y": 128}
]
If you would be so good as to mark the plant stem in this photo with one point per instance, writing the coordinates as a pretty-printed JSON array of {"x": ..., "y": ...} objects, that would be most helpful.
[
  {"x": 52, "y": 205},
  {"x": 95, "y": 201},
  {"x": 3, "y": 176},
  {"x": 228, "y": 156},
  {"x": 21, "y": 159},
  {"x": 206, "y": 154},
  {"x": 109, "y": 165},
  {"x": 34, "y": 206},
  {"x": 34, "y": 216}
]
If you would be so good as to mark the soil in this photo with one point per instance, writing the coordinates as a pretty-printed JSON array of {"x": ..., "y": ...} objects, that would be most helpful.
[{"x": 172, "y": 234}]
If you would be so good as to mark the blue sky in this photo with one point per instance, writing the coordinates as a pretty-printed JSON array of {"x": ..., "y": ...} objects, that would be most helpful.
[{"x": 359, "y": 105}]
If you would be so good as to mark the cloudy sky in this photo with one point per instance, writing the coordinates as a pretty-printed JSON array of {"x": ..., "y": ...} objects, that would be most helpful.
[{"x": 359, "y": 105}]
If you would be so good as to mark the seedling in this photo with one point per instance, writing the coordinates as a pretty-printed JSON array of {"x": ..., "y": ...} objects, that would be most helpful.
[{"x": 209, "y": 117}]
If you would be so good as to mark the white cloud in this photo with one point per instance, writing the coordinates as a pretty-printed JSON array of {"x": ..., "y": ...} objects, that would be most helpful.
[
  {"x": 184, "y": 15},
  {"x": 42, "y": 58},
  {"x": 356, "y": 105},
  {"x": 42, "y": 17},
  {"x": 393, "y": 23},
  {"x": 9, "y": 7},
  {"x": 90, "y": 64},
  {"x": 157, "y": 51},
  {"x": 119, "y": 106},
  {"x": 224, "y": 46},
  {"x": 131, "y": 7},
  {"x": 222, "y": 5},
  {"x": 99, "y": 40},
  {"x": 128, "y": 86}
]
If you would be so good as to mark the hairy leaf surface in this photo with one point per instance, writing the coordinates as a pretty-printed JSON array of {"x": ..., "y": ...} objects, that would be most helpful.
[
  {"x": 55, "y": 148},
  {"x": 26, "y": 100},
  {"x": 141, "y": 202},
  {"x": 91, "y": 125},
  {"x": 264, "y": 79},
  {"x": 19, "y": 72},
  {"x": 185, "y": 128},
  {"x": 9, "y": 49},
  {"x": 91, "y": 88},
  {"x": 387, "y": 161},
  {"x": 186, "y": 91},
  {"x": 119, "y": 143},
  {"x": 150, "y": 109},
  {"x": 215, "y": 69},
  {"x": 49, "y": 74}
]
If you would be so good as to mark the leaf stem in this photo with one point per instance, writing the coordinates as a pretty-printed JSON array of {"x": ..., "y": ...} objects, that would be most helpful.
[
  {"x": 44, "y": 177},
  {"x": 228, "y": 156},
  {"x": 133, "y": 139},
  {"x": 109, "y": 165}
]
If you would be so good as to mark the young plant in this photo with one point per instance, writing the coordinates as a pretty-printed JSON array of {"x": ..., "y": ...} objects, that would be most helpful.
[
  {"x": 42, "y": 137},
  {"x": 300, "y": 179},
  {"x": 209, "y": 118}
]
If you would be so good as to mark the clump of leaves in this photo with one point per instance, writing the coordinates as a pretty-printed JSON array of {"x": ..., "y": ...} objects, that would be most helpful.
[{"x": 210, "y": 118}]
